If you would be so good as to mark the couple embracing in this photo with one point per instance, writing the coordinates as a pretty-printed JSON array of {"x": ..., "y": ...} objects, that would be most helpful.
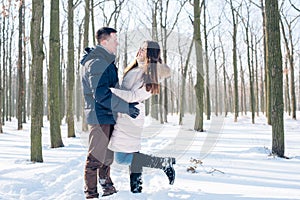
[{"x": 115, "y": 113}]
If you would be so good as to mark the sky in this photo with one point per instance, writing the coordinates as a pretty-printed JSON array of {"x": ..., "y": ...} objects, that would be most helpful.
[{"x": 235, "y": 157}]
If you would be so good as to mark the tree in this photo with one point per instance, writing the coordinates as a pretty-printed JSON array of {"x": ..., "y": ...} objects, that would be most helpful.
[
  {"x": 85, "y": 44},
  {"x": 20, "y": 68},
  {"x": 224, "y": 77},
  {"x": 4, "y": 64},
  {"x": 183, "y": 83},
  {"x": 165, "y": 34},
  {"x": 274, "y": 64},
  {"x": 256, "y": 76},
  {"x": 287, "y": 100},
  {"x": 246, "y": 24},
  {"x": 207, "y": 85},
  {"x": 9, "y": 89},
  {"x": 79, "y": 96},
  {"x": 93, "y": 21},
  {"x": 86, "y": 24},
  {"x": 243, "y": 88},
  {"x": 265, "y": 84},
  {"x": 199, "y": 87},
  {"x": 234, "y": 60},
  {"x": 154, "y": 35},
  {"x": 54, "y": 72},
  {"x": 214, "y": 49},
  {"x": 25, "y": 40},
  {"x": 1, "y": 89},
  {"x": 36, "y": 40},
  {"x": 267, "y": 74},
  {"x": 62, "y": 75},
  {"x": 289, "y": 45},
  {"x": 70, "y": 70}
]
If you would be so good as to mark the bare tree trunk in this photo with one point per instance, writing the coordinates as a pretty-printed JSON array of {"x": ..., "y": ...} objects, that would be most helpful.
[
  {"x": 70, "y": 70},
  {"x": 54, "y": 74},
  {"x": 274, "y": 62},
  {"x": 230, "y": 96},
  {"x": 61, "y": 77},
  {"x": 290, "y": 58},
  {"x": 224, "y": 78},
  {"x": 29, "y": 86},
  {"x": 234, "y": 61},
  {"x": 178, "y": 100},
  {"x": 165, "y": 35},
  {"x": 79, "y": 94},
  {"x": 184, "y": 79},
  {"x": 8, "y": 70},
  {"x": 20, "y": 70},
  {"x": 207, "y": 85},
  {"x": 154, "y": 99},
  {"x": 292, "y": 74},
  {"x": 262, "y": 90},
  {"x": 93, "y": 21},
  {"x": 216, "y": 77},
  {"x": 192, "y": 105},
  {"x": 166, "y": 99},
  {"x": 250, "y": 67},
  {"x": 36, "y": 40},
  {"x": 163, "y": 107},
  {"x": 85, "y": 44},
  {"x": 256, "y": 78},
  {"x": 287, "y": 92},
  {"x": 267, "y": 74},
  {"x": 86, "y": 24},
  {"x": 299, "y": 84},
  {"x": 199, "y": 87},
  {"x": 1, "y": 89},
  {"x": 125, "y": 61},
  {"x": 252, "y": 78},
  {"x": 243, "y": 88},
  {"x": 4, "y": 62},
  {"x": 9, "y": 90},
  {"x": 165, "y": 110},
  {"x": 24, "y": 64}
]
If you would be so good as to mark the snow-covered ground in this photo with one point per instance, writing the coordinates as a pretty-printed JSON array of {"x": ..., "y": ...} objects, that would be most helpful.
[{"x": 236, "y": 163}]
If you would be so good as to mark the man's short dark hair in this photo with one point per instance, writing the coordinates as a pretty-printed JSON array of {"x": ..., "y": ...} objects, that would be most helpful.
[{"x": 104, "y": 32}]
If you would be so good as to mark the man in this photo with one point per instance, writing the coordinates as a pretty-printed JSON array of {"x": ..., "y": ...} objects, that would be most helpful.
[{"x": 101, "y": 107}]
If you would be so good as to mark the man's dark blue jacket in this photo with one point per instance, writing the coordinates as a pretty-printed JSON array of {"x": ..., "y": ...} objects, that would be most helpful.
[{"x": 99, "y": 74}]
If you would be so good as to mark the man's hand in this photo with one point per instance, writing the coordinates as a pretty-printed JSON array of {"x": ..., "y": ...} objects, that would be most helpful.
[{"x": 133, "y": 111}]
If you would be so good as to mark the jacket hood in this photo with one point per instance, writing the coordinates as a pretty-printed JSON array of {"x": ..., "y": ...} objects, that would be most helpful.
[{"x": 97, "y": 52}]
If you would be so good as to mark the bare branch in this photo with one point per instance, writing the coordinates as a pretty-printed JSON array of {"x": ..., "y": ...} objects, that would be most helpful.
[
  {"x": 191, "y": 20},
  {"x": 211, "y": 29},
  {"x": 254, "y": 3},
  {"x": 100, "y": 2},
  {"x": 177, "y": 16},
  {"x": 77, "y": 3},
  {"x": 294, "y": 6}
]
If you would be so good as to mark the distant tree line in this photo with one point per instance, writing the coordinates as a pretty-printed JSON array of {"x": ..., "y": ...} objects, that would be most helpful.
[{"x": 242, "y": 59}]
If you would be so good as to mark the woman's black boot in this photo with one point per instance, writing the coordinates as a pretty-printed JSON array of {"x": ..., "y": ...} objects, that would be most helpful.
[{"x": 136, "y": 182}]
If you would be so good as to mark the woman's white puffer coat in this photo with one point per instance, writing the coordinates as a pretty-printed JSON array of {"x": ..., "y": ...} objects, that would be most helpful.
[{"x": 127, "y": 133}]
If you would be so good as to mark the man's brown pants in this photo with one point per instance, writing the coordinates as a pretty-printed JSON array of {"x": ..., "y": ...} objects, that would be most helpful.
[{"x": 98, "y": 160}]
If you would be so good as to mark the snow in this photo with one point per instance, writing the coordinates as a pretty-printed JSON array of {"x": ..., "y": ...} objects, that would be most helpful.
[{"x": 236, "y": 162}]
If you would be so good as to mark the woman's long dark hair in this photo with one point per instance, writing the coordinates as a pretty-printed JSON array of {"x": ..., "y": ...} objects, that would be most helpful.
[
  {"x": 152, "y": 58},
  {"x": 151, "y": 76}
]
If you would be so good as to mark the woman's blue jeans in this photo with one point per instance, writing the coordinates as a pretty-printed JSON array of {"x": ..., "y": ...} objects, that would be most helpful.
[{"x": 123, "y": 158}]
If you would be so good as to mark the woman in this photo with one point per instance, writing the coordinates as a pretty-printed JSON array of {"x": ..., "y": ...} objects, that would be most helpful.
[{"x": 142, "y": 79}]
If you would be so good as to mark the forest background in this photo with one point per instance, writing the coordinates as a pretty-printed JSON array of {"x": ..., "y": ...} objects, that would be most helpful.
[{"x": 232, "y": 56}]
